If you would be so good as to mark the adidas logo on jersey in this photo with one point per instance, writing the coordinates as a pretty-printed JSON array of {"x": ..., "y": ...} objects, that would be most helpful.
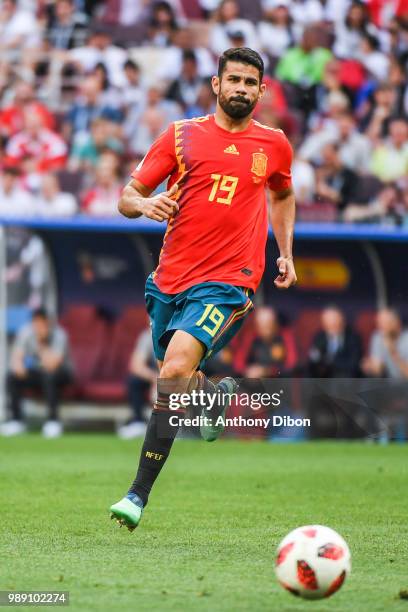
[{"x": 232, "y": 149}]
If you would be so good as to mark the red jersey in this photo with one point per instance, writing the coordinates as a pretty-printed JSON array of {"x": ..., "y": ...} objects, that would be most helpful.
[
  {"x": 48, "y": 149},
  {"x": 220, "y": 231}
]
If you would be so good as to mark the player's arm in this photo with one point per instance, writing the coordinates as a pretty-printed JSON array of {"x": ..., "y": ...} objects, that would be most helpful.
[
  {"x": 283, "y": 222},
  {"x": 135, "y": 201},
  {"x": 159, "y": 163}
]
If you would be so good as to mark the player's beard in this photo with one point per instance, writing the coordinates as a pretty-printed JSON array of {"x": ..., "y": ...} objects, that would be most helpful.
[{"x": 236, "y": 107}]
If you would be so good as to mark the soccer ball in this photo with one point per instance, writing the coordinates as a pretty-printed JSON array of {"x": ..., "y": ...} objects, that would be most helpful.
[{"x": 312, "y": 562}]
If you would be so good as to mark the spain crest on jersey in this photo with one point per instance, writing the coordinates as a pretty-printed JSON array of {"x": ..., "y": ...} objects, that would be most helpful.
[{"x": 259, "y": 163}]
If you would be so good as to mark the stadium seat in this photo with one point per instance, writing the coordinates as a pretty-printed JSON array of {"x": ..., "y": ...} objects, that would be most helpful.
[
  {"x": 122, "y": 341},
  {"x": 109, "y": 385},
  {"x": 78, "y": 316},
  {"x": 87, "y": 333}
]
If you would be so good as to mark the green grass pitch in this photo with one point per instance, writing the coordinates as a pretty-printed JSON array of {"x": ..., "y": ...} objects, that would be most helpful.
[{"x": 207, "y": 539}]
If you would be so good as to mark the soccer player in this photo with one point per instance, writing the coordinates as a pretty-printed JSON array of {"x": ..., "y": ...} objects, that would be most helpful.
[{"x": 213, "y": 254}]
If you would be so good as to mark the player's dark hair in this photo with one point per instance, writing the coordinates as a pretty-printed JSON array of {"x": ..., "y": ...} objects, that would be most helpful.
[
  {"x": 40, "y": 313},
  {"x": 242, "y": 55}
]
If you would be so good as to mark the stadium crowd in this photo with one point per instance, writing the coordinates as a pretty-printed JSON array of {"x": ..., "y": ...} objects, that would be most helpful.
[{"x": 86, "y": 87}]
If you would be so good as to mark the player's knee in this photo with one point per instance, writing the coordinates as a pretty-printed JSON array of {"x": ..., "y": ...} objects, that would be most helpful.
[{"x": 176, "y": 367}]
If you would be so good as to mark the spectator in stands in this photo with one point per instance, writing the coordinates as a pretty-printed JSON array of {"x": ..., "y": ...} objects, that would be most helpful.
[
  {"x": 111, "y": 96},
  {"x": 334, "y": 182},
  {"x": 349, "y": 34},
  {"x": 12, "y": 115},
  {"x": 275, "y": 30},
  {"x": 398, "y": 80},
  {"x": 101, "y": 200},
  {"x": 186, "y": 88},
  {"x": 304, "y": 65},
  {"x": 141, "y": 382},
  {"x": 304, "y": 180},
  {"x": 336, "y": 349},
  {"x": 87, "y": 107},
  {"x": 152, "y": 124},
  {"x": 354, "y": 147},
  {"x": 205, "y": 104},
  {"x": 66, "y": 28},
  {"x": 36, "y": 149},
  {"x": 18, "y": 30},
  {"x": 388, "y": 208},
  {"x": 143, "y": 128},
  {"x": 183, "y": 40},
  {"x": 304, "y": 13},
  {"x": 274, "y": 100},
  {"x": 39, "y": 360},
  {"x": 267, "y": 354},
  {"x": 51, "y": 201},
  {"x": 331, "y": 83},
  {"x": 121, "y": 12},
  {"x": 227, "y": 25},
  {"x": 388, "y": 354},
  {"x": 132, "y": 92},
  {"x": 14, "y": 201},
  {"x": 88, "y": 147},
  {"x": 100, "y": 49},
  {"x": 389, "y": 161},
  {"x": 376, "y": 109},
  {"x": 162, "y": 25},
  {"x": 373, "y": 60}
]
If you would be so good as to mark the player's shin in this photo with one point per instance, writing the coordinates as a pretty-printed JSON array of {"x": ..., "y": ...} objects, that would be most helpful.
[{"x": 160, "y": 434}]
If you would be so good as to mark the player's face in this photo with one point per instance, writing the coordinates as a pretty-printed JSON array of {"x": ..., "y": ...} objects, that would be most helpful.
[{"x": 238, "y": 90}]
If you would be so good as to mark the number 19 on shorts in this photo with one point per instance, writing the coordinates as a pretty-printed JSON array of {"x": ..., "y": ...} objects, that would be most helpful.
[{"x": 211, "y": 319}]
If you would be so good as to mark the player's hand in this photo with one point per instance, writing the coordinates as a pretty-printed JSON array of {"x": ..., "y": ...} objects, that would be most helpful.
[
  {"x": 287, "y": 275},
  {"x": 161, "y": 207}
]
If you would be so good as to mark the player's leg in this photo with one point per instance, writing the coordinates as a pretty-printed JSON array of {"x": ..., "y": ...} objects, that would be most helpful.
[
  {"x": 15, "y": 386},
  {"x": 161, "y": 308},
  {"x": 177, "y": 375},
  {"x": 52, "y": 384},
  {"x": 213, "y": 313}
]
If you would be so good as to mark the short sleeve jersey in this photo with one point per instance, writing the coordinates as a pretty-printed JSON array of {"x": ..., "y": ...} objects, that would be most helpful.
[{"x": 220, "y": 231}]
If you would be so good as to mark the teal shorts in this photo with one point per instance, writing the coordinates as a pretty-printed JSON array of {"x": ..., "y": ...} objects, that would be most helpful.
[{"x": 211, "y": 312}]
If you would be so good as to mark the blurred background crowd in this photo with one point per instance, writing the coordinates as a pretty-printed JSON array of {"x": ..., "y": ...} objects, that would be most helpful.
[{"x": 86, "y": 87}]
